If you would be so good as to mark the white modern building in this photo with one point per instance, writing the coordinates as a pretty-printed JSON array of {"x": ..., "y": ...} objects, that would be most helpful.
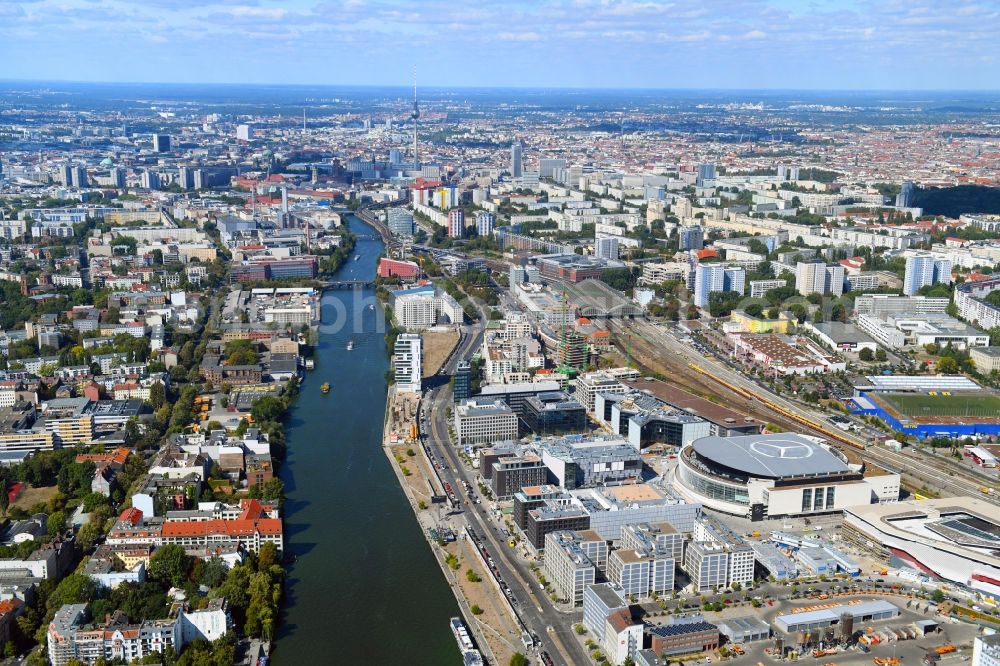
[
  {"x": 408, "y": 362},
  {"x": 953, "y": 539},
  {"x": 762, "y": 476},
  {"x": 484, "y": 422}
]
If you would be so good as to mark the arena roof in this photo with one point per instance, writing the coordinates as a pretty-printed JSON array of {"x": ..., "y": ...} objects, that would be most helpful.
[{"x": 770, "y": 456}]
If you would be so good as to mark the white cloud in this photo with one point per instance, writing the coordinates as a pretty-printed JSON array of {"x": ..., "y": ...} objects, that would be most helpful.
[
  {"x": 272, "y": 13},
  {"x": 519, "y": 37}
]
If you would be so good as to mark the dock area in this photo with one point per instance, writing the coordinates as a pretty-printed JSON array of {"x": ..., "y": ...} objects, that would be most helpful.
[{"x": 484, "y": 608}]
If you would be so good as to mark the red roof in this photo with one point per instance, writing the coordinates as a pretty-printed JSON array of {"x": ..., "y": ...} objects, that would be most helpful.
[
  {"x": 233, "y": 528},
  {"x": 132, "y": 516}
]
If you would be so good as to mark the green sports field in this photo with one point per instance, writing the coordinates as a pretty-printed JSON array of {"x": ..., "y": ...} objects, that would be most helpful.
[{"x": 924, "y": 405}]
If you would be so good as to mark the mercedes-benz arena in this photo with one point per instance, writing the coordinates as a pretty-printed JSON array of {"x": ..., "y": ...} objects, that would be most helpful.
[{"x": 767, "y": 476}]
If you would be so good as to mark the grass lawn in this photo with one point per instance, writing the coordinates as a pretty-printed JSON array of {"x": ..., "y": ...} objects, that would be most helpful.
[
  {"x": 30, "y": 496},
  {"x": 923, "y": 404}
]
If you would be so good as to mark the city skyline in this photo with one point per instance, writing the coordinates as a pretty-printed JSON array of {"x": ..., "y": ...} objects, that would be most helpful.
[{"x": 763, "y": 44}]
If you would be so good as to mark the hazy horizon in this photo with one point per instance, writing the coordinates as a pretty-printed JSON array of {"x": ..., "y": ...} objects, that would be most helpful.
[{"x": 575, "y": 44}]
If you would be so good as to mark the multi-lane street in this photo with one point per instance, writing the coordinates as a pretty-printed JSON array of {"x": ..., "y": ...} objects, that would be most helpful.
[{"x": 551, "y": 626}]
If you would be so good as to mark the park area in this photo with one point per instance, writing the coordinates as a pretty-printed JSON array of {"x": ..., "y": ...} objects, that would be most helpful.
[{"x": 943, "y": 405}]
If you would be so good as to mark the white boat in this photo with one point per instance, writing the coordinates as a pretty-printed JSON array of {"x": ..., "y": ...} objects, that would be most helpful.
[
  {"x": 461, "y": 635},
  {"x": 356, "y": 257},
  {"x": 371, "y": 306},
  {"x": 350, "y": 345}
]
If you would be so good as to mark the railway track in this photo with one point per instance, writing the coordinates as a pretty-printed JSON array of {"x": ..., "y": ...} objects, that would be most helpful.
[{"x": 709, "y": 379}]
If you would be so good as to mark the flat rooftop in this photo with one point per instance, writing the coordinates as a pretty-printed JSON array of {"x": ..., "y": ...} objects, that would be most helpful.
[
  {"x": 693, "y": 404},
  {"x": 639, "y": 492}
]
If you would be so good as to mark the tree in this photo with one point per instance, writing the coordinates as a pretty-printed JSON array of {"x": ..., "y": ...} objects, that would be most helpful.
[
  {"x": 518, "y": 659},
  {"x": 213, "y": 573},
  {"x": 170, "y": 565},
  {"x": 157, "y": 395},
  {"x": 273, "y": 489},
  {"x": 880, "y": 355},
  {"x": 56, "y": 523},
  {"x": 267, "y": 408},
  {"x": 866, "y": 355},
  {"x": 947, "y": 365},
  {"x": 754, "y": 310}
]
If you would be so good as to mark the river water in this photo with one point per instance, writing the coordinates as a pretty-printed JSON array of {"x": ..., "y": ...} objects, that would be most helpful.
[{"x": 365, "y": 588}]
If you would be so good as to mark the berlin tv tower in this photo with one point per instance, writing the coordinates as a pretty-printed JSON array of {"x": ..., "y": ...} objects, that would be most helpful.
[{"x": 415, "y": 115}]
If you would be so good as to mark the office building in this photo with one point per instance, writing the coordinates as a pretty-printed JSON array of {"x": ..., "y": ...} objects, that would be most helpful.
[
  {"x": 641, "y": 572},
  {"x": 707, "y": 565},
  {"x": 572, "y": 562},
  {"x": 462, "y": 389},
  {"x": 986, "y": 650},
  {"x": 548, "y": 167},
  {"x": 600, "y": 601},
  {"x": 589, "y": 384},
  {"x": 161, "y": 143},
  {"x": 924, "y": 269},
  {"x": 405, "y": 270},
  {"x": 815, "y": 277},
  {"x": 511, "y": 473},
  {"x": 716, "y": 277},
  {"x": 244, "y": 133},
  {"x": 407, "y": 358},
  {"x": 456, "y": 223},
  {"x": 606, "y": 510},
  {"x": 576, "y": 461},
  {"x": 717, "y": 557},
  {"x": 485, "y": 422},
  {"x": 607, "y": 248},
  {"x": 400, "y": 221},
  {"x": 554, "y": 412},
  {"x": 516, "y": 160},
  {"x": 485, "y": 222}
]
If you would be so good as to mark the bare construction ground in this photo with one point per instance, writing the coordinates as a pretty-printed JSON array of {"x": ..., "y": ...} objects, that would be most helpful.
[{"x": 438, "y": 344}]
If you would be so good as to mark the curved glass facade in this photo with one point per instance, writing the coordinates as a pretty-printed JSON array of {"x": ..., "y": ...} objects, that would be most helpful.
[{"x": 712, "y": 488}]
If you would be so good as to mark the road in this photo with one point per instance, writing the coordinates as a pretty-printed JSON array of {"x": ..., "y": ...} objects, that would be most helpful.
[
  {"x": 957, "y": 481},
  {"x": 552, "y": 627}
]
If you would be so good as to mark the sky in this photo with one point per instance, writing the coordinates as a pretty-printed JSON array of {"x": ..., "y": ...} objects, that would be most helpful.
[{"x": 717, "y": 44}]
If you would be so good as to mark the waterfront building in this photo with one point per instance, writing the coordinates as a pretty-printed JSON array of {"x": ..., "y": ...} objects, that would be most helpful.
[{"x": 408, "y": 361}]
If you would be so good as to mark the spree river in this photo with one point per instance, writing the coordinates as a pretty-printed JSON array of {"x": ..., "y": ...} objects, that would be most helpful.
[{"x": 365, "y": 588}]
